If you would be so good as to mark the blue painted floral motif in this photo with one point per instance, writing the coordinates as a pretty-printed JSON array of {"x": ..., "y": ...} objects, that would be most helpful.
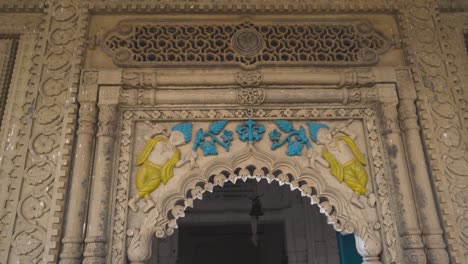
[
  {"x": 209, "y": 146},
  {"x": 250, "y": 131},
  {"x": 296, "y": 139}
]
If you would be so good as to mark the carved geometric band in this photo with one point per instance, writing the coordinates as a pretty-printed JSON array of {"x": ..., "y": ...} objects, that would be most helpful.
[{"x": 143, "y": 43}]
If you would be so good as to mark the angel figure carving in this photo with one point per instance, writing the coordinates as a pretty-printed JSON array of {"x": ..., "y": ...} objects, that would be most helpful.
[
  {"x": 158, "y": 159},
  {"x": 341, "y": 155}
]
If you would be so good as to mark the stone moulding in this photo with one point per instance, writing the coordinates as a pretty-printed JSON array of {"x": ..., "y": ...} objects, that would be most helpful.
[
  {"x": 249, "y": 44},
  {"x": 418, "y": 21},
  {"x": 244, "y": 6}
]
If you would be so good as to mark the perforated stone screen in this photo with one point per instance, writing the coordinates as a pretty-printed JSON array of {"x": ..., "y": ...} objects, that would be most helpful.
[{"x": 146, "y": 43}]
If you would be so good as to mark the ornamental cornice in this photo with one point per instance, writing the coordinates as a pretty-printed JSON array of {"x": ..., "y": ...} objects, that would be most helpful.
[
  {"x": 243, "y": 6},
  {"x": 205, "y": 6},
  {"x": 22, "y": 5}
]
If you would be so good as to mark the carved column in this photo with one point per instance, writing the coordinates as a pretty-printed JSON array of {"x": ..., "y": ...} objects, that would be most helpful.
[
  {"x": 79, "y": 187},
  {"x": 440, "y": 106},
  {"x": 408, "y": 225},
  {"x": 99, "y": 208},
  {"x": 427, "y": 211}
]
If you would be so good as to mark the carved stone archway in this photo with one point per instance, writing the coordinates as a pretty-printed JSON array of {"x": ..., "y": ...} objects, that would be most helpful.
[
  {"x": 367, "y": 97},
  {"x": 251, "y": 162}
]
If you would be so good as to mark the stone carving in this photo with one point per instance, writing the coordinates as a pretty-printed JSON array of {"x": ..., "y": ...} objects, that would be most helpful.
[
  {"x": 247, "y": 42},
  {"x": 341, "y": 155},
  {"x": 249, "y": 78},
  {"x": 142, "y": 80},
  {"x": 149, "y": 43},
  {"x": 436, "y": 77},
  {"x": 61, "y": 40},
  {"x": 8, "y": 47},
  {"x": 16, "y": 124},
  {"x": 158, "y": 159},
  {"x": 162, "y": 220},
  {"x": 250, "y": 131},
  {"x": 246, "y": 6},
  {"x": 250, "y": 96},
  {"x": 296, "y": 139},
  {"x": 47, "y": 117},
  {"x": 209, "y": 146}
]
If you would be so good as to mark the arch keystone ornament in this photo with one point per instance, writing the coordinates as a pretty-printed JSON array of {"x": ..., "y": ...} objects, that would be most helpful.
[{"x": 249, "y": 156}]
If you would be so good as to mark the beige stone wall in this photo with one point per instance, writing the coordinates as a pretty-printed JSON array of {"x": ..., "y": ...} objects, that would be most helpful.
[{"x": 68, "y": 99}]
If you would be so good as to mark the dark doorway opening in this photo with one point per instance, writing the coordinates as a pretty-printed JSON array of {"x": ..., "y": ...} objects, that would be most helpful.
[{"x": 219, "y": 229}]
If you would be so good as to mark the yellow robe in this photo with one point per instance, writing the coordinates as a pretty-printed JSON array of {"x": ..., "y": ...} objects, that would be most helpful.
[
  {"x": 150, "y": 175},
  {"x": 352, "y": 172}
]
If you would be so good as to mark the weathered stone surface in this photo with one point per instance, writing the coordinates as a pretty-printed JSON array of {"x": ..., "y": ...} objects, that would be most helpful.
[{"x": 75, "y": 114}]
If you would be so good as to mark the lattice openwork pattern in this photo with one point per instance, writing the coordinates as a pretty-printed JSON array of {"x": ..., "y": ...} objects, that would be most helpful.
[{"x": 143, "y": 43}]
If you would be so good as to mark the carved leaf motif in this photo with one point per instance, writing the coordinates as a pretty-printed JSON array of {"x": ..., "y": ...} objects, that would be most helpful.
[
  {"x": 284, "y": 125},
  {"x": 217, "y": 127}
]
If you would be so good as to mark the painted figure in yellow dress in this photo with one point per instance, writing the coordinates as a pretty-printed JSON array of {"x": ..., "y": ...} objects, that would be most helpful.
[
  {"x": 157, "y": 161},
  {"x": 342, "y": 156}
]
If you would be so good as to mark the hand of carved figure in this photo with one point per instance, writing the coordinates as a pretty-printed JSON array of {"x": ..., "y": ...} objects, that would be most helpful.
[
  {"x": 193, "y": 160},
  {"x": 342, "y": 155},
  {"x": 315, "y": 157},
  {"x": 345, "y": 130},
  {"x": 157, "y": 129}
]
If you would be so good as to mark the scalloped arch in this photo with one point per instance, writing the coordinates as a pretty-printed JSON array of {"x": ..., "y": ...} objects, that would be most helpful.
[{"x": 252, "y": 163}]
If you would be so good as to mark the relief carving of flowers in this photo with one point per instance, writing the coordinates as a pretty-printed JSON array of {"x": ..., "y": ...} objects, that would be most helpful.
[
  {"x": 34, "y": 206},
  {"x": 212, "y": 113},
  {"x": 64, "y": 12},
  {"x": 57, "y": 61},
  {"x": 53, "y": 87},
  {"x": 288, "y": 112},
  {"x": 49, "y": 114},
  {"x": 25, "y": 242},
  {"x": 39, "y": 172},
  {"x": 184, "y": 114},
  {"x": 44, "y": 143},
  {"x": 62, "y": 36}
]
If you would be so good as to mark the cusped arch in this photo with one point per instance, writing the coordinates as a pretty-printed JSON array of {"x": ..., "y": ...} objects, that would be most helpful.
[{"x": 252, "y": 163}]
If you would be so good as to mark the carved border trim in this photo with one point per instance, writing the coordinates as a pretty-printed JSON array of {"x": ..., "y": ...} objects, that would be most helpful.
[
  {"x": 121, "y": 184},
  {"x": 22, "y": 5}
]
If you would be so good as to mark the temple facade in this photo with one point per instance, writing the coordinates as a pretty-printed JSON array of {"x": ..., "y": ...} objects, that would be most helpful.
[{"x": 132, "y": 131}]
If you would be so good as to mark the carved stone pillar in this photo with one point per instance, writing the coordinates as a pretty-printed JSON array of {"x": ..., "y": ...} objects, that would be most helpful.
[
  {"x": 440, "y": 104},
  {"x": 369, "y": 249},
  {"x": 79, "y": 187},
  {"x": 408, "y": 225},
  {"x": 97, "y": 227},
  {"x": 427, "y": 211}
]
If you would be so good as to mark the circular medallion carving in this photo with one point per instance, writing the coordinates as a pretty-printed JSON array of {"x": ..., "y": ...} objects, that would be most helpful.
[{"x": 247, "y": 42}]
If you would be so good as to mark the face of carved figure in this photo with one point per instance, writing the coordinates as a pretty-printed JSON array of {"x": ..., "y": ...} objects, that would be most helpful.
[
  {"x": 324, "y": 136},
  {"x": 176, "y": 138}
]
